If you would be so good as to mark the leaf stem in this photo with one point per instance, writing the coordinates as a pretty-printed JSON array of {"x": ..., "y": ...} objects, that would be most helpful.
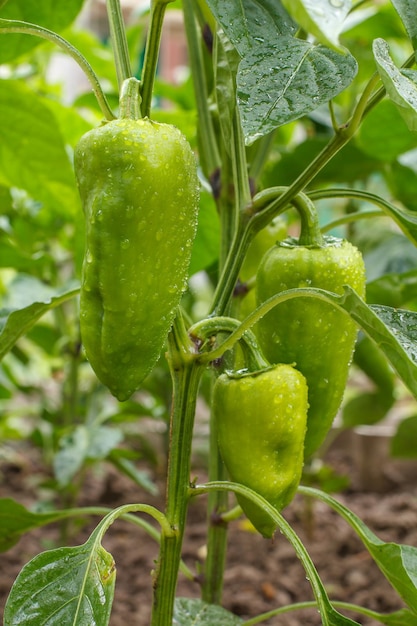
[
  {"x": 17, "y": 26},
  {"x": 326, "y": 610},
  {"x": 119, "y": 41},
  {"x": 210, "y": 157}
]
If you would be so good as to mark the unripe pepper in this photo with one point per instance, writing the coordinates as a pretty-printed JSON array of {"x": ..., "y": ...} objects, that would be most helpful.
[
  {"x": 138, "y": 184},
  {"x": 260, "y": 420},
  {"x": 308, "y": 332}
]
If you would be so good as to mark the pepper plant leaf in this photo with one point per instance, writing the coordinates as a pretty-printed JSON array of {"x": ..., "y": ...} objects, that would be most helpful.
[
  {"x": 250, "y": 22},
  {"x": 406, "y": 9},
  {"x": 401, "y": 86},
  {"x": 393, "y": 330},
  {"x": 85, "y": 441},
  {"x": 280, "y": 78},
  {"x": 193, "y": 611},
  {"x": 72, "y": 586},
  {"x": 398, "y": 562},
  {"x": 33, "y": 152},
  {"x": 28, "y": 299},
  {"x": 403, "y": 443},
  {"x": 279, "y": 84},
  {"x": 16, "y": 520},
  {"x": 53, "y": 15},
  {"x": 321, "y": 18}
]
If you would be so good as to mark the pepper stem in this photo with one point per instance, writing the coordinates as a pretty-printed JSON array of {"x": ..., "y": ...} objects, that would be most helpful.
[
  {"x": 310, "y": 234},
  {"x": 130, "y": 99}
]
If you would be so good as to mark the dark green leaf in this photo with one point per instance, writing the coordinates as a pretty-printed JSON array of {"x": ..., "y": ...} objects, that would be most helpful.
[
  {"x": 28, "y": 300},
  {"x": 193, "y": 612},
  {"x": 33, "y": 155},
  {"x": 71, "y": 586},
  {"x": 349, "y": 165},
  {"x": 401, "y": 90},
  {"x": 383, "y": 134},
  {"x": 367, "y": 408},
  {"x": 250, "y": 22},
  {"x": 395, "y": 254},
  {"x": 407, "y": 11},
  {"x": 280, "y": 84},
  {"x": 404, "y": 442},
  {"x": 53, "y": 15},
  {"x": 395, "y": 290},
  {"x": 320, "y": 18}
]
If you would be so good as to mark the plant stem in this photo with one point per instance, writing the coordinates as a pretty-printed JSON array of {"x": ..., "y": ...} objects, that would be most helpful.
[
  {"x": 16, "y": 26},
  {"x": 186, "y": 376},
  {"x": 210, "y": 158},
  {"x": 119, "y": 41},
  {"x": 151, "y": 53}
]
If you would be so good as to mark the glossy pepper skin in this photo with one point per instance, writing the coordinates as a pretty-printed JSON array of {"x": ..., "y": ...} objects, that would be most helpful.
[
  {"x": 138, "y": 185},
  {"x": 260, "y": 420},
  {"x": 307, "y": 332}
]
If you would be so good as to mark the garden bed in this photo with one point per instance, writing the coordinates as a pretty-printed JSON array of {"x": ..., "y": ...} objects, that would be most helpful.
[{"x": 261, "y": 574}]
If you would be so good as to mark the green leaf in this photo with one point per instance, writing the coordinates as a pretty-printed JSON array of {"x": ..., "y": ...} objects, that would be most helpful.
[
  {"x": 33, "y": 153},
  {"x": 27, "y": 301},
  {"x": 395, "y": 290},
  {"x": 248, "y": 23},
  {"x": 193, "y": 612},
  {"x": 383, "y": 134},
  {"x": 403, "y": 617},
  {"x": 53, "y": 15},
  {"x": 407, "y": 11},
  {"x": 399, "y": 87},
  {"x": 348, "y": 166},
  {"x": 397, "y": 562},
  {"x": 84, "y": 442},
  {"x": 71, "y": 586},
  {"x": 367, "y": 408},
  {"x": 321, "y": 18},
  {"x": 281, "y": 84},
  {"x": 393, "y": 330},
  {"x": 403, "y": 443},
  {"x": 16, "y": 520}
]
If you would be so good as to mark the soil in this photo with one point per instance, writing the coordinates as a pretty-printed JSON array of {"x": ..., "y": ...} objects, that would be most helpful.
[{"x": 260, "y": 574}]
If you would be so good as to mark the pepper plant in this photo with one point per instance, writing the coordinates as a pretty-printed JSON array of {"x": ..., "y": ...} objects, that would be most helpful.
[{"x": 277, "y": 338}]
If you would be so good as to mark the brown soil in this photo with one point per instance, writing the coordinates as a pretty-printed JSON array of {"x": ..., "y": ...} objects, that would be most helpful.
[{"x": 260, "y": 574}]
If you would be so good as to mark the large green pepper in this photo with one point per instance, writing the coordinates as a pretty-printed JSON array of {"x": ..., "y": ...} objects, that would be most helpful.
[
  {"x": 139, "y": 189},
  {"x": 308, "y": 332},
  {"x": 260, "y": 420}
]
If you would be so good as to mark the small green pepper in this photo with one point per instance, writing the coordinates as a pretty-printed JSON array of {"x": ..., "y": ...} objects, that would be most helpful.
[
  {"x": 260, "y": 420},
  {"x": 138, "y": 184},
  {"x": 308, "y": 332}
]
